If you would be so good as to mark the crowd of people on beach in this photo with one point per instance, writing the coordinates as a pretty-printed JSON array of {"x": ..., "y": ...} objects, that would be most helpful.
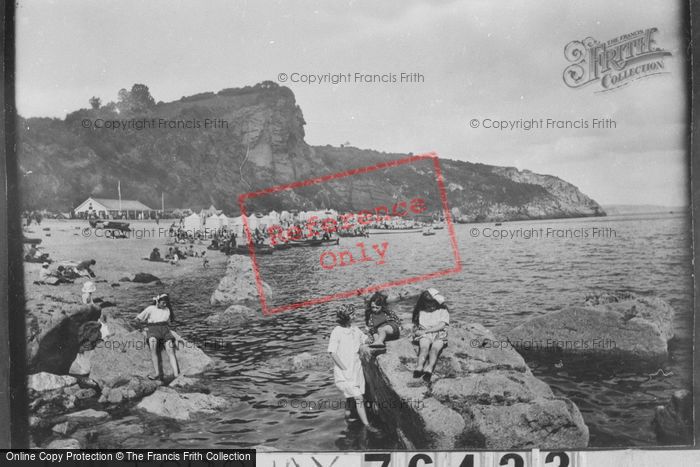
[
  {"x": 430, "y": 321},
  {"x": 175, "y": 254}
]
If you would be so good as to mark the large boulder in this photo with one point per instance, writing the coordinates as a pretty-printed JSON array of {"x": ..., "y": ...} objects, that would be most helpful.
[
  {"x": 53, "y": 334},
  {"x": 481, "y": 397},
  {"x": 126, "y": 354},
  {"x": 614, "y": 327},
  {"x": 238, "y": 286},
  {"x": 167, "y": 402}
]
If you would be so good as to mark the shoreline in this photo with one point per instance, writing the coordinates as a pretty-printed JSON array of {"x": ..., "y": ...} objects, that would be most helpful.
[
  {"x": 53, "y": 314},
  {"x": 129, "y": 296}
]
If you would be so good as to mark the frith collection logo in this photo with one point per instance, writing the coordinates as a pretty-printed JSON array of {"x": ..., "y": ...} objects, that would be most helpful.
[{"x": 616, "y": 62}]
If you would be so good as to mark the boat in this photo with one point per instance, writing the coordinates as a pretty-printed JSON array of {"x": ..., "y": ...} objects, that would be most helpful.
[
  {"x": 498, "y": 224},
  {"x": 391, "y": 231},
  {"x": 352, "y": 234},
  {"x": 244, "y": 250},
  {"x": 428, "y": 231},
  {"x": 314, "y": 242}
]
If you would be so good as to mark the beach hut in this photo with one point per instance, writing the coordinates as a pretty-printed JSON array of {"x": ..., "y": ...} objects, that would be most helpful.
[
  {"x": 192, "y": 223},
  {"x": 113, "y": 208}
]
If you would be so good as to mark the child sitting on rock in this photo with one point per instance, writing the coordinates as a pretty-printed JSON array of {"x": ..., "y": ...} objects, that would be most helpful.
[
  {"x": 430, "y": 321},
  {"x": 157, "y": 317},
  {"x": 344, "y": 347},
  {"x": 88, "y": 289},
  {"x": 383, "y": 324}
]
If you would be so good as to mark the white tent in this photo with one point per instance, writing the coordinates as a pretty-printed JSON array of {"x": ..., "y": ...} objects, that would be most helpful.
[
  {"x": 193, "y": 223},
  {"x": 236, "y": 226},
  {"x": 265, "y": 221},
  {"x": 253, "y": 222},
  {"x": 274, "y": 217},
  {"x": 212, "y": 223},
  {"x": 220, "y": 222},
  {"x": 319, "y": 214}
]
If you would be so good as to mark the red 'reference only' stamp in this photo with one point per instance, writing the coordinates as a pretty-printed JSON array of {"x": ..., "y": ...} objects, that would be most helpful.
[{"x": 357, "y": 234}]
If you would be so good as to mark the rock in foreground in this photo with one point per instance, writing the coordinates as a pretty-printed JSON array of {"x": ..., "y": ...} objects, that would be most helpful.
[
  {"x": 43, "y": 381},
  {"x": 167, "y": 402},
  {"x": 128, "y": 355},
  {"x": 610, "y": 326},
  {"x": 53, "y": 334},
  {"x": 481, "y": 397}
]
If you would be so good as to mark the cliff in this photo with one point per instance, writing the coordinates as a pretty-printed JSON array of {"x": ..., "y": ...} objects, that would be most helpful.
[{"x": 254, "y": 139}]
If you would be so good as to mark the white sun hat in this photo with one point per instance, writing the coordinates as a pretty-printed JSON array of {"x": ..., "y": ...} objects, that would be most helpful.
[{"x": 436, "y": 295}]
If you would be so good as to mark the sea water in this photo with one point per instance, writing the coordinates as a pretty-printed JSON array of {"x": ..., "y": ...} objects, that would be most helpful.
[{"x": 504, "y": 280}]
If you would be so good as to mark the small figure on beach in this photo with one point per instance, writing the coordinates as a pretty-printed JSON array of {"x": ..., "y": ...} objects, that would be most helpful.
[
  {"x": 34, "y": 255},
  {"x": 155, "y": 255},
  {"x": 430, "y": 321},
  {"x": 344, "y": 347},
  {"x": 383, "y": 324},
  {"x": 157, "y": 318},
  {"x": 205, "y": 260},
  {"x": 88, "y": 289},
  {"x": 84, "y": 267},
  {"x": 44, "y": 272}
]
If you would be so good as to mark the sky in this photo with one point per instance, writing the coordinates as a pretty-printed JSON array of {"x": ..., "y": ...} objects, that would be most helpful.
[{"x": 479, "y": 59}]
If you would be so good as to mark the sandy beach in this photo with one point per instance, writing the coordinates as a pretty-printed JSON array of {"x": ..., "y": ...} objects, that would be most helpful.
[{"x": 74, "y": 241}]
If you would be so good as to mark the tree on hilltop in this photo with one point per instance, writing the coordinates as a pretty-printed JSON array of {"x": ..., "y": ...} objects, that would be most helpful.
[{"x": 137, "y": 100}]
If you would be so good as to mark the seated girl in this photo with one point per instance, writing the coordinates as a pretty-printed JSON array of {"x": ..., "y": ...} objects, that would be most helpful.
[
  {"x": 430, "y": 321},
  {"x": 157, "y": 318},
  {"x": 383, "y": 323}
]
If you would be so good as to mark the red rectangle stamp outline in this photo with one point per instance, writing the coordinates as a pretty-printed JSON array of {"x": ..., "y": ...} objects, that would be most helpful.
[{"x": 364, "y": 290}]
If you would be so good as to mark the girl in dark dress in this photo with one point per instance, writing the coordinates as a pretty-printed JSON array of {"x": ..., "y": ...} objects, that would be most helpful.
[{"x": 383, "y": 323}]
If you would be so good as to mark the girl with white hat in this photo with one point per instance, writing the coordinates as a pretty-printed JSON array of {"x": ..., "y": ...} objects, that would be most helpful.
[
  {"x": 88, "y": 289},
  {"x": 430, "y": 321}
]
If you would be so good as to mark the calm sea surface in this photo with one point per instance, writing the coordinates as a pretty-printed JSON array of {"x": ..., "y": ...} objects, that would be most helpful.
[{"x": 502, "y": 282}]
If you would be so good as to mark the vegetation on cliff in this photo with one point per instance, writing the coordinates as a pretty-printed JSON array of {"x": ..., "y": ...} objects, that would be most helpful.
[{"x": 209, "y": 148}]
